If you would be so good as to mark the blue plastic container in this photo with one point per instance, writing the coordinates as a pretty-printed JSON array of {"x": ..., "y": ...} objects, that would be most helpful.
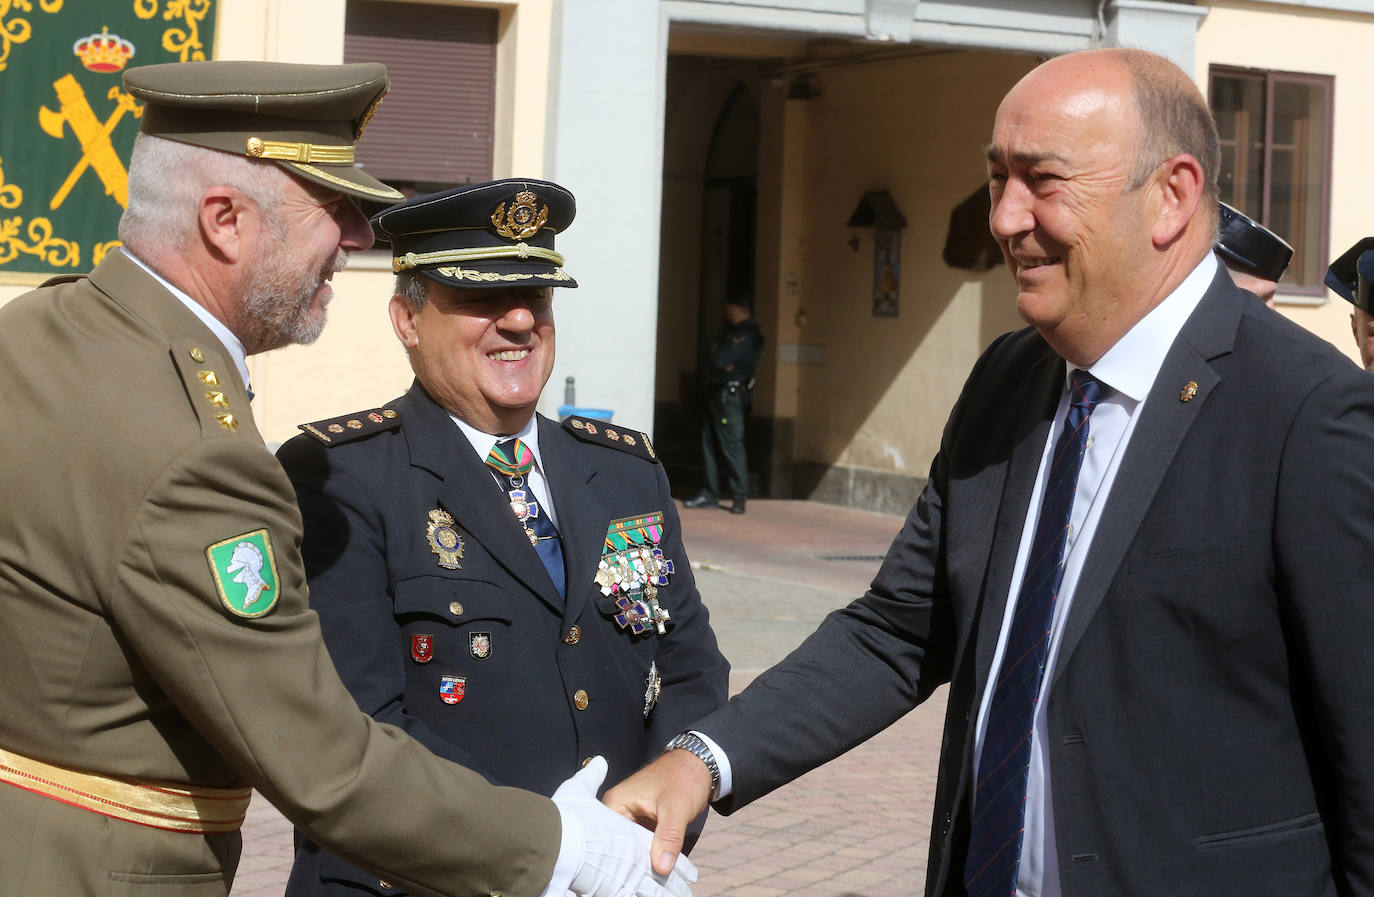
[{"x": 566, "y": 411}]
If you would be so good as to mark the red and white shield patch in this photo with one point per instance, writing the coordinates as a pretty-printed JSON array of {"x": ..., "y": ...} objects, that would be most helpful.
[
  {"x": 452, "y": 689},
  {"x": 422, "y": 648}
]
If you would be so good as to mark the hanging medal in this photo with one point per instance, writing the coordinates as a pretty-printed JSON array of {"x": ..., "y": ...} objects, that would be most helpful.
[
  {"x": 525, "y": 507},
  {"x": 631, "y": 571},
  {"x": 512, "y": 461}
]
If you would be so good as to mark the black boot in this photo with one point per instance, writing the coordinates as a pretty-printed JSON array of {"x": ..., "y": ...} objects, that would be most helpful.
[
  {"x": 738, "y": 506},
  {"x": 704, "y": 500}
]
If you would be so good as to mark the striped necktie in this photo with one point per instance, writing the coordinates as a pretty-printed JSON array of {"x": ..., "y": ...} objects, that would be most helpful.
[
  {"x": 999, "y": 797},
  {"x": 512, "y": 460}
]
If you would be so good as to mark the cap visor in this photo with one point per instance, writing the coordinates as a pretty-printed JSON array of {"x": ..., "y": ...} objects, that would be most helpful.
[
  {"x": 476, "y": 275},
  {"x": 346, "y": 178}
]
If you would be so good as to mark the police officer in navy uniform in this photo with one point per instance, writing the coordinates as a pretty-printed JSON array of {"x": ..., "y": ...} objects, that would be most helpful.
[
  {"x": 1255, "y": 255},
  {"x": 1351, "y": 276},
  {"x": 729, "y": 382},
  {"x": 511, "y": 592}
]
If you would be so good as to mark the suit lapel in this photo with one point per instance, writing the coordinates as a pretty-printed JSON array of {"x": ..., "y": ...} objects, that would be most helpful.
[
  {"x": 1045, "y": 383},
  {"x": 1164, "y": 422},
  {"x": 469, "y": 493},
  {"x": 582, "y": 513}
]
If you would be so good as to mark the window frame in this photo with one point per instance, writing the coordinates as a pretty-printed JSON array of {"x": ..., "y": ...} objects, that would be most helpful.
[{"x": 1289, "y": 291}]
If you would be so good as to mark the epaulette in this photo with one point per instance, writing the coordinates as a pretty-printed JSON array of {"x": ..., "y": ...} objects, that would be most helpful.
[
  {"x": 346, "y": 428},
  {"x": 59, "y": 279},
  {"x": 601, "y": 433}
]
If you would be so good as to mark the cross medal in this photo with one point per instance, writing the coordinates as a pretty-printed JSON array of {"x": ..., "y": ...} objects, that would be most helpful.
[{"x": 525, "y": 508}]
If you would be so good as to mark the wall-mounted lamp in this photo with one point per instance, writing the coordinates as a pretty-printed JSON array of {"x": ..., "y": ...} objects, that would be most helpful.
[{"x": 878, "y": 210}]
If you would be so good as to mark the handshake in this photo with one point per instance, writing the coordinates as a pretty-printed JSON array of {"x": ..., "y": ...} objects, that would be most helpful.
[{"x": 606, "y": 855}]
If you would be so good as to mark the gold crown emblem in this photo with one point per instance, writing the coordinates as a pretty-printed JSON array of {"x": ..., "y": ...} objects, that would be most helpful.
[
  {"x": 523, "y": 220},
  {"x": 103, "y": 52}
]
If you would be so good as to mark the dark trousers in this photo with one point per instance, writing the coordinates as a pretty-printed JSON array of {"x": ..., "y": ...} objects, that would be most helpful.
[{"x": 724, "y": 427}]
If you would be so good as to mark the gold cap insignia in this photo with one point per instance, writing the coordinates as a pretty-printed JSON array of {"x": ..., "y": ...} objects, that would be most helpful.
[{"x": 523, "y": 220}]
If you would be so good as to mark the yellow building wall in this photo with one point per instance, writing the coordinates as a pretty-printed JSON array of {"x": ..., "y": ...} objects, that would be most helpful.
[
  {"x": 915, "y": 127},
  {"x": 1298, "y": 39},
  {"x": 357, "y": 363}
]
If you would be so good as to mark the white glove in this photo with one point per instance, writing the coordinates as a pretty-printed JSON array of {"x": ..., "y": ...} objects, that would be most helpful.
[{"x": 608, "y": 855}]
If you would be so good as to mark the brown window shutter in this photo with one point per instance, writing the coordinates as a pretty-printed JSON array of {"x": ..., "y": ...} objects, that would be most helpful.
[{"x": 435, "y": 126}]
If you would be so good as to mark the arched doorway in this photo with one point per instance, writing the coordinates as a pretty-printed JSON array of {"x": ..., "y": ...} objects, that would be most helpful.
[{"x": 708, "y": 250}]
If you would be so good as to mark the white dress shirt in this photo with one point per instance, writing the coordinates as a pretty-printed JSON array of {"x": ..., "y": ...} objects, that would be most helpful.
[
  {"x": 226, "y": 336},
  {"x": 1127, "y": 372},
  {"x": 535, "y": 479}
]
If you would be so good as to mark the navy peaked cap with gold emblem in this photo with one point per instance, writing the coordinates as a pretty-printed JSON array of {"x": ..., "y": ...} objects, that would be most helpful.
[
  {"x": 497, "y": 234},
  {"x": 1249, "y": 245},
  {"x": 303, "y": 117},
  {"x": 1352, "y": 275}
]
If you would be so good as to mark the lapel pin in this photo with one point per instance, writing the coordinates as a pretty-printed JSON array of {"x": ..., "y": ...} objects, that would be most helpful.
[
  {"x": 452, "y": 689},
  {"x": 422, "y": 648},
  {"x": 1188, "y": 392}
]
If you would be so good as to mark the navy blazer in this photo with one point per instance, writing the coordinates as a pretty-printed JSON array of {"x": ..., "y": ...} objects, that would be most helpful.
[
  {"x": 1211, "y": 724},
  {"x": 540, "y": 684}
]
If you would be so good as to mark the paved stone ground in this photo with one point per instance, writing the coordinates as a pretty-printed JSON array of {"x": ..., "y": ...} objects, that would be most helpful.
[{"x": 858, "y": 826}]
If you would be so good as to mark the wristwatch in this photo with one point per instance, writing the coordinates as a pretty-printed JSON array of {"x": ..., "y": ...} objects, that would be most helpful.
[{"x": 693, "y": 744}]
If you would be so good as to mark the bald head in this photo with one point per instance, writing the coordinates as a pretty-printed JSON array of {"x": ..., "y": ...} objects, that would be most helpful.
[
  {"x": 1099, "y": 192},
  {"x": 1173, "y": 120}
]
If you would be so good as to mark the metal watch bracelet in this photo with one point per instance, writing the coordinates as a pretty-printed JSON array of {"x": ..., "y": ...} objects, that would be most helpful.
[{"x": 694, "y": 745}]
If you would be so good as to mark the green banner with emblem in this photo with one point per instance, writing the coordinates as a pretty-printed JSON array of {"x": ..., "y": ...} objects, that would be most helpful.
[{"x": 68, "y": 126}]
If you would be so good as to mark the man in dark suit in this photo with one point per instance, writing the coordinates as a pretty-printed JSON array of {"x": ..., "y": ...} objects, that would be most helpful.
[
  {"x": 1142, "y": 561},
  {"x": 511, "y": 592}
]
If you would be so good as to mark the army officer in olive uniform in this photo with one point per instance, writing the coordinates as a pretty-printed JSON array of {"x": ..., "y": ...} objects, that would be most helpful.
[
  {"x": 511, "y": 592},
  {"x": 158, "y": 656}
]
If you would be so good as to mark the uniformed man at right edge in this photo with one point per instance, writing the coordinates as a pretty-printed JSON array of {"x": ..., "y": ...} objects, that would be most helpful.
[
  {"x": 158, "y": 656},
  {"x": 1351, "y": 276},
  {"x": 1142, "y": 562}
]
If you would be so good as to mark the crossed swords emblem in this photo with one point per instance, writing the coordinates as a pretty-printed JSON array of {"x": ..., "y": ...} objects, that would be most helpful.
[{"x": 96, "y": 150}]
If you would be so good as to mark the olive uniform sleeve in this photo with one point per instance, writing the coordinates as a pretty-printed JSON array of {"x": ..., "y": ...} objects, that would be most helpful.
[{"x": 256, "y": 681}]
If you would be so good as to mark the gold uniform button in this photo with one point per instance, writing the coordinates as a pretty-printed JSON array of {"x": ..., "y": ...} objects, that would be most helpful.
[
  {"x": 197, "y": 356},
  {"x": 384, "y": 885},
  {"x": 455, "y": 608},
  {"x": 574, "y": 635},
  {"x": 585, "y": 761},
  {"x": 580, "y": 699}
]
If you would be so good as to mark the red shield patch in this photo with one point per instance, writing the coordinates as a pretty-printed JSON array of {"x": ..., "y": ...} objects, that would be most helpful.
[
  {"x": 452, "y": 689},
  {"x": 422, "y": 648}
]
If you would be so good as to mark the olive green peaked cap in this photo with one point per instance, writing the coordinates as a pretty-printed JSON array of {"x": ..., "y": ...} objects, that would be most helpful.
[{"x": 303, "y": 117}]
